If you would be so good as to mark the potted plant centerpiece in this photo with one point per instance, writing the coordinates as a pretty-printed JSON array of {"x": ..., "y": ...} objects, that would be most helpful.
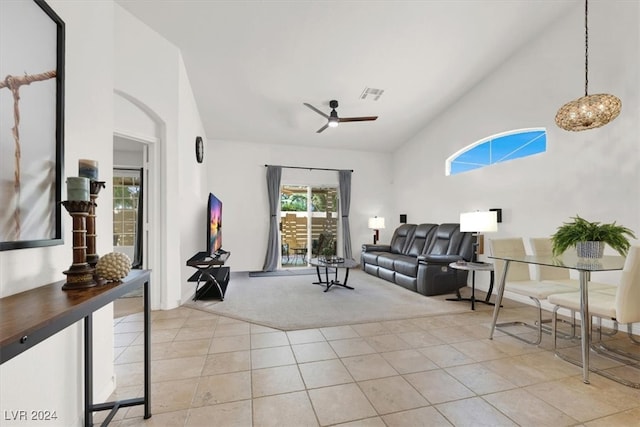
[{"x": 589, "y": 238}]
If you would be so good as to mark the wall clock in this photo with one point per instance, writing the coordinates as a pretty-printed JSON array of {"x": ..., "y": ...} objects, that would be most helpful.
[{"x": 199, "y": 149}]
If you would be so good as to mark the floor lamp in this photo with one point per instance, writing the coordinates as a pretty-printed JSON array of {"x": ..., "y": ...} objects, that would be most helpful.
[
  {"x": 478, "y": 222},
  {"x": 376, "y": 224}
]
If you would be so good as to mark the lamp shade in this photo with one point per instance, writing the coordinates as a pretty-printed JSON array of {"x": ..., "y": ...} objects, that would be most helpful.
[
  {"x": 588, "y": 112},
  {"x": 376, "y": 223},
  {"x": 478, "y": 221}
]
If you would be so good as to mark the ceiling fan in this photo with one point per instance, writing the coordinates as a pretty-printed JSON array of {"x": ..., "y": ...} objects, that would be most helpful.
[{"x": 333, "y": 118}]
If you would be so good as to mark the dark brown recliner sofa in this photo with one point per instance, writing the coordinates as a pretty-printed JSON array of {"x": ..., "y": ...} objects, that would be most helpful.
[{"x": 418, "y": 258}]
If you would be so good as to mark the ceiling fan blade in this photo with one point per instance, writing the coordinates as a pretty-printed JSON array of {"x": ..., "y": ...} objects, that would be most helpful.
[
  {"x": 316, "y": 110},
  {"x": 322, "y": 128},
  {"x": 357, "y": 119}
]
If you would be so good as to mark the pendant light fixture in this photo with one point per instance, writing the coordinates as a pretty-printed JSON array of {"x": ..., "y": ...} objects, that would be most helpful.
[{"x": 589, "y": 111}]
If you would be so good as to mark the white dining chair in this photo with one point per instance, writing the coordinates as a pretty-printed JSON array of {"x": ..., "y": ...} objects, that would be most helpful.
[
  {"x": 622, "y": 307},
  {"x": 543, "y": 246},
  {"x": 519, "y": 281}
]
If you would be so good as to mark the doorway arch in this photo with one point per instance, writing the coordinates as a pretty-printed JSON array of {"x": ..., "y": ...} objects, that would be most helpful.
[{"x": 142, "y": 124}]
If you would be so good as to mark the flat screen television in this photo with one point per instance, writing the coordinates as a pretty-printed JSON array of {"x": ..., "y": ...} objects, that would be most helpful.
[{"x": 214, "y": 225}]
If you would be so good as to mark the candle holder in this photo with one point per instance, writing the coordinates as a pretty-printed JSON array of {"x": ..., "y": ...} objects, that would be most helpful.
[
  {"x": 80, "y": 274},
  {"x": 94, "y": 189}
]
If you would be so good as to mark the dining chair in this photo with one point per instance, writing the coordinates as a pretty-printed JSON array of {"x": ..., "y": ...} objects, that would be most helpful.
[
  {"x": 518, "y": 281},
  {"x": 622, "y": 307},
  {"x": 543, "y": 246}
]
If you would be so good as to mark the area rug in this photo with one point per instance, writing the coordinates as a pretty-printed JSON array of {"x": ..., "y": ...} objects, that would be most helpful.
[{"x": 293, "y": 302}]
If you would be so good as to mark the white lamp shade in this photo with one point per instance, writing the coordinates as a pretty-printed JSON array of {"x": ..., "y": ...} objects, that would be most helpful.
[
  {"x": 478, "y": 222},
  {"x": 376, "y": 223}
]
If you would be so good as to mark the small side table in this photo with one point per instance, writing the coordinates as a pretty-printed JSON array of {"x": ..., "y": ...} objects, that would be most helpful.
[
  {"x": 211, "y": 272},
  {"x": 473, "y": 267}
]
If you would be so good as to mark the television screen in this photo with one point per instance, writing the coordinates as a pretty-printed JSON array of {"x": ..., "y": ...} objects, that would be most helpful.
[{"x": 214, "y": 220}]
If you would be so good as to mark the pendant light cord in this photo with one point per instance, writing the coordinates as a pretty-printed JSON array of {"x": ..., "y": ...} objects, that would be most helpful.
[{"x": 586, "y": 47}]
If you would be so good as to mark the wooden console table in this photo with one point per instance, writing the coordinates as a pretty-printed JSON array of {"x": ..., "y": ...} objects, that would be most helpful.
[{"x": 30, "y": 317}]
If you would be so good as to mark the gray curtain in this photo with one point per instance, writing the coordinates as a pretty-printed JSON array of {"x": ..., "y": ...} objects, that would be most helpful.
[
  {"x": 274, "y": 173},
  {"x": 345, "y": 203}
]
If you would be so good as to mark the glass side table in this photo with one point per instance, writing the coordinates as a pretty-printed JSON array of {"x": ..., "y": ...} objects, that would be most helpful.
[{"x": 473, "y": 267}]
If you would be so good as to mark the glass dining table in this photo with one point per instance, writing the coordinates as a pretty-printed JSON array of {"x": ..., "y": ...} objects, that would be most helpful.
[{"x": 584, "y": 267}]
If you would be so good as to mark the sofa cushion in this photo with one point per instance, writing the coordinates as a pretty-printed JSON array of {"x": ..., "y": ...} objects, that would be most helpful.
[
  {"x": 371, "y": 269},
  {"x": 385, "y": 274},
  {"x": 449, "y": 240},
  {"x": 388, "y": 260},
  {"x": 402, "y": 237},
  {"x": 407, "y": 266},
  {"x": 407, "y": 282},
  {"x": 370, "y": 257},
  {"x": 421, "y": 239}
]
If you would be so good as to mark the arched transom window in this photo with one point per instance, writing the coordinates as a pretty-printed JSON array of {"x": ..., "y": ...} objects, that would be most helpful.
[{"x": 498, "y": 148}]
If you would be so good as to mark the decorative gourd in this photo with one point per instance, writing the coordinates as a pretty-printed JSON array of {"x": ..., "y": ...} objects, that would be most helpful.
[{"x": 113, "y": 266}]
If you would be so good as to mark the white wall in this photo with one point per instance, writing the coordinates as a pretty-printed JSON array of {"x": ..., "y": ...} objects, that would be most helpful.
[
  {"x": 192, "y": 181},
  {"x": 49, "y": 376},
  {"x": 237, "y": 176},
  {"x": 592, "y": 173},
  {"x": 150, "y": 70}
]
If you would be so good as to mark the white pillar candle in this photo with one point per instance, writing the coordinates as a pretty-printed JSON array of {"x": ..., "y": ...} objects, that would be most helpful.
[{"x": 77, "y": 188}]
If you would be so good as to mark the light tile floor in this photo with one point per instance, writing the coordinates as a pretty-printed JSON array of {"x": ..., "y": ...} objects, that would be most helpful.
[{"x": 209, "y": 370}]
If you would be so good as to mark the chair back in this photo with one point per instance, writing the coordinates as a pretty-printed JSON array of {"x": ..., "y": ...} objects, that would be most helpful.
[
  {"x": 421, "y": 239},
  {"x": 513, "y": 246},
  {"x": 543, "y": 246},
  {"x": 628, "y": 294},
  {"x": 401, "y": 238},
  {"x": 449, "y": 240}
]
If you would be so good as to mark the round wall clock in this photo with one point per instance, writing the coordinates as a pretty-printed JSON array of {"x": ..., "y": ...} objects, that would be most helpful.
[{"x": 199, "y": 149}]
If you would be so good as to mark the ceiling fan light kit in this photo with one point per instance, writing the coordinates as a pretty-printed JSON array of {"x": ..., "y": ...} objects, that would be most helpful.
[
  {"x": 333, "y": 120},
  {"x": 589, "y": 111}
]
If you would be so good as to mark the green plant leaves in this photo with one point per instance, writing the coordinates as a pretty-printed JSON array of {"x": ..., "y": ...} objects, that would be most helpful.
[{"x": 581, "y": 230}]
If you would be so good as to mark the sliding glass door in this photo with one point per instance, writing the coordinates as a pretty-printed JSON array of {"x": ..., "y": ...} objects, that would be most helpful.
[{"x": 308, "y": 223}]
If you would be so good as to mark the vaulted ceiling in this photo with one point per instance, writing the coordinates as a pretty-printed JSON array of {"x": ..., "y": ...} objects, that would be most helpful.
[{"x": 252, "y": 64}]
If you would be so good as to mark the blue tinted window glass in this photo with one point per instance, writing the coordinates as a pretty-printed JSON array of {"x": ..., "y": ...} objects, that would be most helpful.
[
  {"x": 463, "y": 167},
  {"x": 498, "y": 148}
]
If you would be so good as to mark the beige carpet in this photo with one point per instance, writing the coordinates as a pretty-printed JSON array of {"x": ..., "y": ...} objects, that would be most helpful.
[{"x": 290, "y": 303}]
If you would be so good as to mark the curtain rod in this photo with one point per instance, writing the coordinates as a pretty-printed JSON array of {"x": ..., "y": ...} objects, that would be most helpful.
[{"x": 316, "y": 169}]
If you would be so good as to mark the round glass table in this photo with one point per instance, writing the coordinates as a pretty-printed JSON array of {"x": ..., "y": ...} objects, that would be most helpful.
[{"x": 336, "y": 265}]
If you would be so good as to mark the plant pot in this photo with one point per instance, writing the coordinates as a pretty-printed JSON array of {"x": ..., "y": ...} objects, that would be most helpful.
[{"x": 592, "y": 250}]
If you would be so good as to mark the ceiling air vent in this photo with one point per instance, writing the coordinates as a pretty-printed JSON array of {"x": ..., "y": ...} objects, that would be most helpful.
[{"x": 371, "y": 93}]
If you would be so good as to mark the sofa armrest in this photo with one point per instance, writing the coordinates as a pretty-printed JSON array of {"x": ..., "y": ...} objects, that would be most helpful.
[
  {"x": 438, "y": 259},
  {"x": 375, "y": 248}
]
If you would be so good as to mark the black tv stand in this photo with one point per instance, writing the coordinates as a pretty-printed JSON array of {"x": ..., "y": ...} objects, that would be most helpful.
[{"x": 212, "y": 273}]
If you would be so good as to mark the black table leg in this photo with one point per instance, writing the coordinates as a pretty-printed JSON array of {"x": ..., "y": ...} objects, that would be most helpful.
[
  {"x": 320, "y": 281},
  {"x": 336, "y": 282},
  {"x": 114, "y": 406},
  {"x": 147, "y": 351},
  {"x": 88, "y": 370},
  {"x": 490, "y": 287},
  {"x": 473, "y": 290}
]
